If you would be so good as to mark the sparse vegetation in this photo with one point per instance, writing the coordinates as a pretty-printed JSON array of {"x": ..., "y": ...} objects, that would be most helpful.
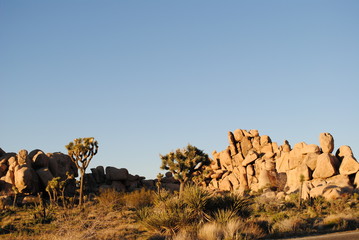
[{"x": 199, "y": 214}]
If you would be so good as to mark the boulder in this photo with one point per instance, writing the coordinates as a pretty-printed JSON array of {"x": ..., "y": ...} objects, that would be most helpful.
[
  {"x": 238, "y": 159},
  {"x": 246, "y": 145},
  {"x": 256, "y": 144},
  {"x": 118, "y": 186},
  {"x": 2, "y": 152},
  {"x": 95, "y": 175},
  {"x": 326, "y": 166},
  {"x": 326, "y": 141},
  {"x": 293, "y": 181},
  {"x": 344, "y": 151},
  {"x": 238, "y": 135},
  {"x": 348, "y": 166},
  {"x": 267, "y": 148},
  {"x": 231, "y": 139},
  {"x": 225, "y": 185},
  {"x": 254, "y": 133},
  {"x": 250, "y": 170},
  {"x": 251, "y": 157},
  {"x": 234, "y": 181},
  {"x": 311, "y": 148},
  {"x": 60, "y": 164},
  {"x": 242, "y": 176},
  {"x": 282, "y": 163},
  {"x": 296, "y": 156},
  {"x": 339, "y": 181},
  {"x": 39, "y": 160},
  {"x": 26, "y": 180},
  {"x": 232, "y": 144},
  {"x": 22, "y": 158},
  {"x": 225, "y": 158},
  {"x": 317, "y": 191},
  {"x": 264, "y": 140},
  {"x": 148, "y": 183},
  {"x": 101, "y": 171},
  {"x": 332, "y": 193},
  {"x": 115, "y": 174},
  {"x": 310, "y": 160},
  {"x": 12, "y": 162},
  {"x": 44, "y": 175},
  {"x": 263, "y": 177},
  {"x": 3, "y": 168},
  {"x": 285, "y": 147}
]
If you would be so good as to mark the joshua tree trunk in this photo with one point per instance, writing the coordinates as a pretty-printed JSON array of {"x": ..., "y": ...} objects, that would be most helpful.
[
  {"x": 82, "y": 187},
  {"x": 182, "y": 185}
]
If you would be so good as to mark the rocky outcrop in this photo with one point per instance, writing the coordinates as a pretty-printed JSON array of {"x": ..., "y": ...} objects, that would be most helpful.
[
  {"x": 29, "y": 173},
  {"x": 252, "y": 162},
  {"x": 121, "y": 180}
]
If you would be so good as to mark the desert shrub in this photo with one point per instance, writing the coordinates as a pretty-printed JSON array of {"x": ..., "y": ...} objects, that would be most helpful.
[
  {"x": 139, "y": 199},
  {"x": 233, "y": 202},
  {"x": 222, "y": 216},
  {"x": 166, "y": 216},
  {"x": 109, "y": 199},
  {"x": 340, "y": 221},
  {"x": 185, "y": 234},
  {"x": 210, "y": 231},
  {"x": 291, "y": 224},
  {"x": 254, "y": 230},
  {"x": 233, "y": 229},
  {"x": 196, "y": 199}
]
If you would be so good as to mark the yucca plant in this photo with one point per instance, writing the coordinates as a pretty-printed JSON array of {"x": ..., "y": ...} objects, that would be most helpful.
[
  {"x": 196, "y": 199},
  {"x": 231, "y": 202}
]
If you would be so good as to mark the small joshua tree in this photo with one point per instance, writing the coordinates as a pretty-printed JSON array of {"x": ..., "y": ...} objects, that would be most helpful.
[
  {"x": 185, "y": 164},
  {"x": 81, "y": 151}
]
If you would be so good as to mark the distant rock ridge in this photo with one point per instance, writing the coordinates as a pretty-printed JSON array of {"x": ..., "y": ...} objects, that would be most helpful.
[
  {"x": 28, "y": 173},
  {"x": 252, "y": 163}
]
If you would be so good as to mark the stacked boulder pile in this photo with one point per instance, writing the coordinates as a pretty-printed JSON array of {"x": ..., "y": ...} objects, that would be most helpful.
[
  {"x": 252, "y": 163},
  {"x": 121, "y": 180},
  {"x": 29, "y": 173}
]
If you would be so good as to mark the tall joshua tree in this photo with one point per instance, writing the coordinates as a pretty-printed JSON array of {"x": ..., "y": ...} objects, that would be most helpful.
[
  {"x": 185, "y": 164},
  {"x": 81, "y": 151}
]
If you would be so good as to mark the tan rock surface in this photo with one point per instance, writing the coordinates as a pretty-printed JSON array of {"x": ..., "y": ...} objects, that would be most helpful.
[
  {"x": 348, "y": 166},
  {"x": 326, "y": 142},
  {"x": 251, "y": 157},
  {"x": 326, "y": 166}
]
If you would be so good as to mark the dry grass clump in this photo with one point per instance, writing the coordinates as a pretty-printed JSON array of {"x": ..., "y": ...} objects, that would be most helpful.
[
  {"x": 139, "y": 199},
  {"x": 339, "y": 221},
  {"x": 291, "y": 224}
]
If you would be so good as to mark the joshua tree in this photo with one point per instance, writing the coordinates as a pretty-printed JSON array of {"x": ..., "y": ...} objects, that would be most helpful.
[
  {"x": 81, "y": 151},
  {"x": 185, "y": 164}
]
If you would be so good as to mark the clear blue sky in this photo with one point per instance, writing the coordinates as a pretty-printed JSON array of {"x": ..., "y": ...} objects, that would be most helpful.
[{"x": 147, "y": 77}]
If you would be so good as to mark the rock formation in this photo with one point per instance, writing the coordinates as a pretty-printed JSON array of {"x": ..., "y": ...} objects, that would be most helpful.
[
  {"x": 29, "y": 173},
  {"x": 252, "y": 162}
]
